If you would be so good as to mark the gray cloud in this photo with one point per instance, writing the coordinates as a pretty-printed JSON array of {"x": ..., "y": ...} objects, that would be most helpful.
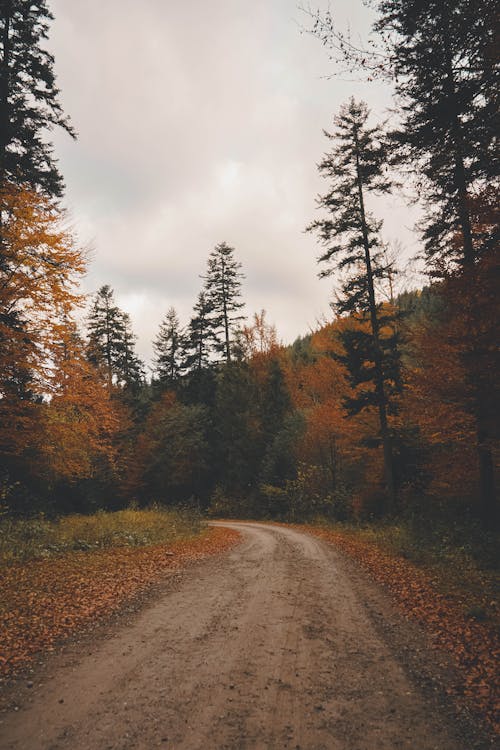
[{"x": 200, "y": 122}]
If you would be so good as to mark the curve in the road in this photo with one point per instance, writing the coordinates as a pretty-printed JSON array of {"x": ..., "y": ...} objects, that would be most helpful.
[{"x": 268, "y": 646}]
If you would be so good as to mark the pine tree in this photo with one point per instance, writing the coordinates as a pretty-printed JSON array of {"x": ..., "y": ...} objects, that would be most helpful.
[
  {"x": 169, "y": 348},
  {"x": 355, "y": 167},
  {"x": 29, "y": 108},
  {"x": 446, "y": 65},
  {"x": 235, "y": 429},
  {"x": 105, "y": 332},
  {"x": 444, "y": 60},
  {"x": 223, "y": 294},
  {"x": 130, "y": 370},
  {"x": 276, "y": 402},
  {"x": 29, "y": 97},
  {"x": 111, "y": 341},
  {"x": 200, "y": 335},
  {"x": 442, "y": 55}
]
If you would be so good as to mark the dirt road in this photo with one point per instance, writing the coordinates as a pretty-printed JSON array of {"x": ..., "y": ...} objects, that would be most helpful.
[{"x": 280, "y": 643}]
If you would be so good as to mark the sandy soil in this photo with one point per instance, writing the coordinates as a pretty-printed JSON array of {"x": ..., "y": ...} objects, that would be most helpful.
[{"x": 280, "y": 643}]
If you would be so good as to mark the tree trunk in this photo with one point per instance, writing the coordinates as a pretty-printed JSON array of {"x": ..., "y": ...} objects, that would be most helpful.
[
  {"x": 4, "y": 90},
  {"x": 379, "y": 373},
  {"x": 488, "y": 500},
  {"x": 4, "y": 120},
  {"x": 224, "y": 307}
]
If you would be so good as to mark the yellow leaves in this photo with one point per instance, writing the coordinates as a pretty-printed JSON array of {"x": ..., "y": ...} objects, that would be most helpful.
[
  {"x": 79, "y": 423},
  {"x": 43, "y": 261}
]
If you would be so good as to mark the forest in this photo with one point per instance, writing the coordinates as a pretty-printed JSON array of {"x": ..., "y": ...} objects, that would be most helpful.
[{"x": 388, "y": 410}]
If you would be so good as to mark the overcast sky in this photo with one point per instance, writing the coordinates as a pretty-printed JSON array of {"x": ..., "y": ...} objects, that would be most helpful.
[{"x": 200, "y": 121}]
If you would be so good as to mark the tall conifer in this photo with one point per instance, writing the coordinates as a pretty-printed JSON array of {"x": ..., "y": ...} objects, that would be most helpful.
[
  {"x": 111, "y": 341},
  {"x": 29, "y": 97},
  {"x": 169, "y": 349},
  {"x": 200, "y": 335},
  {"x": 355, "y": 167},
  {"x": 223, "y": 293}
]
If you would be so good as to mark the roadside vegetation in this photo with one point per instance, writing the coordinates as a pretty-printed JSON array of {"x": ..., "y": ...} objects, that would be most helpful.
[
  {"x": 461, "y": 560},
  {"x": 70, "y": 574},
  {"x": 23, "y": 539},
  {"x": 449, "y": 588}
]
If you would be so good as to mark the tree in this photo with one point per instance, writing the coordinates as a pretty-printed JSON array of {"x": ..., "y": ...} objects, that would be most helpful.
[
  {"x": 169, "y": 348},
  {"x": 31, "y": 293},
  {"x": 130, "y": 368},
  {"x": 359, "y": 357},
  {"x": 350, "y": 235},
  {"x": 223, "y": 294},
  {"x": 77, "y": 425},
  {"x": 37, "y": 292},
  {"x": 38, "y": 298},
  {"x": 29, "y": 98},
  {"x": 172, "y": 452},
  {"x": 236, "y": 429},
  {"x": 200, "y": 335},
  {"x": 280, "y": 427},
  {"x": 111, "y": 341},
  {"x": 105, "y": 332},
  {"x": 275, "y": 399},
  {"x": 259, "y": 339},
  {"x": 447, "y": 72},
  {"x": 442, "y": 56}
]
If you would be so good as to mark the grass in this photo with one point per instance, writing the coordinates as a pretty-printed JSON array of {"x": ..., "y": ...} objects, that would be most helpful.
[
  {"x": 462, "y": 559},
  {"x": 28, "y": 539}
]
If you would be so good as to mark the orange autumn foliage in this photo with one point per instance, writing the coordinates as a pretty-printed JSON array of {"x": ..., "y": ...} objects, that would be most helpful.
[
  {"x": 474, "y": 646},
  {"x": 259, "y": 344},
  {"x": 333, "y": 440},
  {"x": 78, "y": 427},
  {"x": 48, "y": 600},
  {"x": 41, "y": 267},
  {"x": 454, "y": 357}
]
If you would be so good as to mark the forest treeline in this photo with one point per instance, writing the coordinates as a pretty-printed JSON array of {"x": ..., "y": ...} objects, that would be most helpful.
[{"x": 390, "y": 409}]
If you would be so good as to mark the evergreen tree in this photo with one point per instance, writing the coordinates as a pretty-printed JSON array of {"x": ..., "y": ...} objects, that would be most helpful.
[
  {"x": 359, "y": 358},
  {"x": 200, "y": 335},
  {"x": 443, "y": 57},
  {"x": 223, "y": 293},
  {"x": 29, "y": 97},
  {"x": 172, "y": 452},
  {"x": 281, "y": 428},
  {"x": 235, "y": 429},
  {"x": 130, "y": 370},
  {"x": 105, "y": 331},
  {"x": 29, "y": 108},
  {"x": 111, "y": 341},
  {"x": 276, "y": 400},
  {"x": 446, "y": 63},
  {"x": 355, "y": 166},
  {"x": 169, "y": 349}
]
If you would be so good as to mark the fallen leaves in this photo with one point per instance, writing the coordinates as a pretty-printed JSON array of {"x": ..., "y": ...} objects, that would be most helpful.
[
  {"x": 474, "y": 646},
  {"x": 47, "y": 600}
]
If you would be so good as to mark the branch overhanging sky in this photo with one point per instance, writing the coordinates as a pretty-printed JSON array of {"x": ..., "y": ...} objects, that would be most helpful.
[{"x": 201, "y": 122}]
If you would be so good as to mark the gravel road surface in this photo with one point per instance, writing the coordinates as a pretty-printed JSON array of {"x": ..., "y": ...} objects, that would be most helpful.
[{"x": 280, "y": 643}]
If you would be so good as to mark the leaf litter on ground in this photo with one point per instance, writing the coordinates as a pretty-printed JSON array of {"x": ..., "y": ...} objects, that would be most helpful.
[
  {"x": 46, "y": 600},
  {"x": 473, "y": 645}
]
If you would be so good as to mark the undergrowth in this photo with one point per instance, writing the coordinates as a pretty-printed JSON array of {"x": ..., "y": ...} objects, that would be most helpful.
[
  {"x": 462, "y": 559},
  {"x": 34, "y": 538}
]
